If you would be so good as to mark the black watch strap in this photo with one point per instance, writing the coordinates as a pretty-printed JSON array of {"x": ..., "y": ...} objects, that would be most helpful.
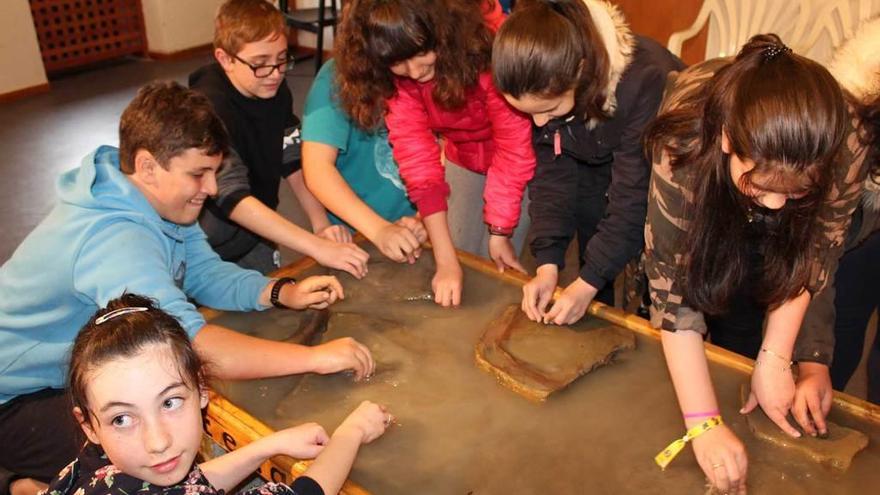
[{"x": 276, "y": 291}]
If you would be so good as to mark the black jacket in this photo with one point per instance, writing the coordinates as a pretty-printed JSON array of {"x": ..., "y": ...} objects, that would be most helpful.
[{"x": 616, "y": 143}]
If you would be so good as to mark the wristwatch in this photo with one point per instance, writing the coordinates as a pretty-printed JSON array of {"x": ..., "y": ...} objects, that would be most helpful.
[{"x": 276, "y": 291}]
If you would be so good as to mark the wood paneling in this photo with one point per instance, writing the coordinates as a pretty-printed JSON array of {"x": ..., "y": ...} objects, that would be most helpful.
[{"x": 658, "y": 19}]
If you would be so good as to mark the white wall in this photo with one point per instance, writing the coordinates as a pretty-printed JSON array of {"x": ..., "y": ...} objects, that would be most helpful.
[
  {"x": 175, "y": 25},
  {"x": 304, "y": 38},
  {"x": 20, "y": 63}
]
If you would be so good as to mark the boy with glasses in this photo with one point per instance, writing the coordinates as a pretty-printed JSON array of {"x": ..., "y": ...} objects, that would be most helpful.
[{"x": 248, "y": 90}]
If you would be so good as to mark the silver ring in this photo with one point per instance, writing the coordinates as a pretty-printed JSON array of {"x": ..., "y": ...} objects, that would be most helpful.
[{"x": 716, "y": 466}]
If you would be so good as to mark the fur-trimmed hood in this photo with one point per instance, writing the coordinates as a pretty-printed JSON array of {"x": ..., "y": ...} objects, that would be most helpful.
[
  {"x": 856, "y": 65},
  {"x": 619, "y": 43}
]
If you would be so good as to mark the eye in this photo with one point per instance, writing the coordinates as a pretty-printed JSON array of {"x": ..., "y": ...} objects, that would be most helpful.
[
  {"x": 172, "y": 403},
  {"x": 198, "y": 175},
  {"x": 122, "y": 421}
]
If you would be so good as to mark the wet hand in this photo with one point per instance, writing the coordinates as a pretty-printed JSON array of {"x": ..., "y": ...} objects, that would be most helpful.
[
  {"x": 335, "y": 233},
  {"x": 447, "y": 284},
  {"x": 305, "y": 441},
  {"x": 538, "y": 292},
  {"x": 341, "y": 355},
  {"x": 414, "y": 224},
  {"x": 812, "y": 398},
  {"x": 313, "y": 292},
  {"x": 398, "y": 243},
  {"x": 502, "y": 253},
  {"x": 368, "y": 422},
  {"x": 773, "y": 389},
  {"x": 572, "y": 304},
  {"x": 347, "y": 257},
  {"x": 722, "y": 457}
]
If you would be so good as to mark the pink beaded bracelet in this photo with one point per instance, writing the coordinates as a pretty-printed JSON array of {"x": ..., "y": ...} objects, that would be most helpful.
[{"x": 704, "y": 414}]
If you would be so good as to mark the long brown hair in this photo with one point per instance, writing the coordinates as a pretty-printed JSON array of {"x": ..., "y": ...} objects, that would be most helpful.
[
  {"x": 373, "y": 35},
  {"x": 546, "y": 48},
  {"x": 788, "y": 115}
]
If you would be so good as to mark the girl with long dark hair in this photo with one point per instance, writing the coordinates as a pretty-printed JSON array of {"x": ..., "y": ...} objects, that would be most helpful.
[
  {"x": 752, "y": 190},
  {"x": 423, "y": 66},
  {"x": 591, "y": 87}
]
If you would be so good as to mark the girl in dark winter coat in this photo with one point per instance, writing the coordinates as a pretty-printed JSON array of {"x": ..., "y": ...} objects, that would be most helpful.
[{"x": 591, "y": 87}]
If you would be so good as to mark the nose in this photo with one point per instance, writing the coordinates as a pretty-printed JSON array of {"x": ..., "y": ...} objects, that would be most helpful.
[
  {"x": 774, "y": 201},
  {"x": 413, "y": 71},
  {"x": 209, "y": 184},
  {"x": 540, "y": 119},
  {"x": 157, "y": 438}
]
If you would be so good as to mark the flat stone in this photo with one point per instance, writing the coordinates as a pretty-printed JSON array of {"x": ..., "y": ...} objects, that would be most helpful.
[
  {"x": 835, "y": 450},
  {"x": 536, "y": 360}
]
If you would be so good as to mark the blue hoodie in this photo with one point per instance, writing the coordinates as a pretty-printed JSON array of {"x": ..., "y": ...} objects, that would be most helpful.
[{"x": 101, "y": 240}]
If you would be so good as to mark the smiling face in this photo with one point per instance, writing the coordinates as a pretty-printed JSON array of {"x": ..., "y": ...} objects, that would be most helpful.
[
  {"x": 270, "y": 50},
  {"x": 543, "y": 109},
  {"x": 419, "y": 68},
  {"x": 177, "y": 192},
  {"x": 145, "y": 416}
]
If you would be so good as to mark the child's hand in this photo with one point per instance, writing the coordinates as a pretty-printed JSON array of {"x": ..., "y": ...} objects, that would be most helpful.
[
  {"x": 305, "y": 441},
  {"x": 502, "y": 253},
  {"x": 368, "y": 422},
  {"x": 538, "y": 292},
  {"x": 346, "y": 257},
  {"x": 398, "y": 243},
  {"x": 723, "y": 459},
  {"x": 572, "y": 304},
  {"x": 414, "y": 224},
  {"x": 447, "y": 283},
  {"x": 343, "y": 354},
  {"x": 313, "y": 292},
  {"x": 773, "y": 389},
  {"x": 335, "y": 233},
  {"x": 812, "y": 397}
]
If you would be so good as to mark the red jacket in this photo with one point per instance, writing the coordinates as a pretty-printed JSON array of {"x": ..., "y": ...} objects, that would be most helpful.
[{"x": 486, "y": 135}]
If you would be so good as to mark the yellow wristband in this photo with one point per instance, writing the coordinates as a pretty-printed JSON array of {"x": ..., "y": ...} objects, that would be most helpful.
[{"x": 668, "y": 454}]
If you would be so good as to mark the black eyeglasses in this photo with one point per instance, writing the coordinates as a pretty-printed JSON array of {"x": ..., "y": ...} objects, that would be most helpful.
[{"x": 262, "y": 71}]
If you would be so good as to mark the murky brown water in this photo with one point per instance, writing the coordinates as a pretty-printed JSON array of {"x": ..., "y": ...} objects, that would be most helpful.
[{"x": 460, "y": 432}]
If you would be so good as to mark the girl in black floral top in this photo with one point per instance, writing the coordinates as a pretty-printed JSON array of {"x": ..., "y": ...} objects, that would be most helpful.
[{"x": 137, "y": 388}]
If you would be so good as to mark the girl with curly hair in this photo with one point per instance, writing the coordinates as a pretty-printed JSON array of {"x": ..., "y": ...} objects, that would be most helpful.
[
  {"x": 752, "y": 190},
  {"x": 423, "y": 66},
  {"x": 591, "y": 87}
]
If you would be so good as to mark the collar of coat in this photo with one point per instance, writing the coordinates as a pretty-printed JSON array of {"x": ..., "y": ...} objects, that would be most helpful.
[
  {"x": 857, "y": 67},
  {"x": 619, "y": 43}
]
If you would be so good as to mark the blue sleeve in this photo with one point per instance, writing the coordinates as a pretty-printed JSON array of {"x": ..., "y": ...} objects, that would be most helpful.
[
  {"x": 217, "y": 283},
  {"x": 323, "y": 119},
  {"x": 129, "y": 257}
]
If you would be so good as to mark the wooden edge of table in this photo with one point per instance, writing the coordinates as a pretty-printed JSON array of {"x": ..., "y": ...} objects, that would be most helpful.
[{"x": 232, "y": 427}]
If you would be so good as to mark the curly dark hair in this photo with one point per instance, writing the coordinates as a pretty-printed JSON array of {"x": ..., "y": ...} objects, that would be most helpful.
[
  {"x": 376, "y": 34},
  {"x": 788, "y": 115}
]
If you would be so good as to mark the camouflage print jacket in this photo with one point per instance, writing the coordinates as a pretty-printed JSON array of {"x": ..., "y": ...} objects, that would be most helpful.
[
  {"x": 670, "y": 196},
  {"x": 857, "y": 68}
]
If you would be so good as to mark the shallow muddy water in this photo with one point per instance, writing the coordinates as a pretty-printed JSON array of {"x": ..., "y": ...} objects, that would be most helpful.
[{"x": 460, "y": 432}]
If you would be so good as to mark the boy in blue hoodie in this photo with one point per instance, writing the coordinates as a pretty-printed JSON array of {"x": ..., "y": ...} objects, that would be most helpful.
[{"x": 126, "y": 222}]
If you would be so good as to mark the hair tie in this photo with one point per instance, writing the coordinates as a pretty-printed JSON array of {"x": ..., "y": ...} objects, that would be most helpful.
[
  {"x": 119, "y": 312},
  {"x": 775, "y": 50}
]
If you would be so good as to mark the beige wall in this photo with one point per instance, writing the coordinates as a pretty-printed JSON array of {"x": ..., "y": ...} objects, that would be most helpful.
[
  {"x": 20, "y": 63},
  {"x": 175, "y": 25}
]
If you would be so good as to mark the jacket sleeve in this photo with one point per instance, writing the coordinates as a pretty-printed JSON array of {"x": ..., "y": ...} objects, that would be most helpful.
[
  {"x": 416, "y": 151},
  {"x": 620, "y": 234},
  {"x": 146, "y": 272},
  {"x": 232, "y": 183},
  {"x": 552, "y": 194},
  {"x": 216, "y": 283},
  {"x": 513, "y": 159},
  {"x": 664, "y": 236},
  {"x": 815, "y": 342}
]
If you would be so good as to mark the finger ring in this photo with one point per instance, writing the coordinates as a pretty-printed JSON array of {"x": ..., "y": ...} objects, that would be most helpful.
[
  {"x": 716, "y": 466},
  {"x": 388, "y": 420}
]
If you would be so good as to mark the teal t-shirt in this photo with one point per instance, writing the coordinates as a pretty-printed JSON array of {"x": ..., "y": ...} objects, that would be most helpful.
[{"x": 365, "y": 160}]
